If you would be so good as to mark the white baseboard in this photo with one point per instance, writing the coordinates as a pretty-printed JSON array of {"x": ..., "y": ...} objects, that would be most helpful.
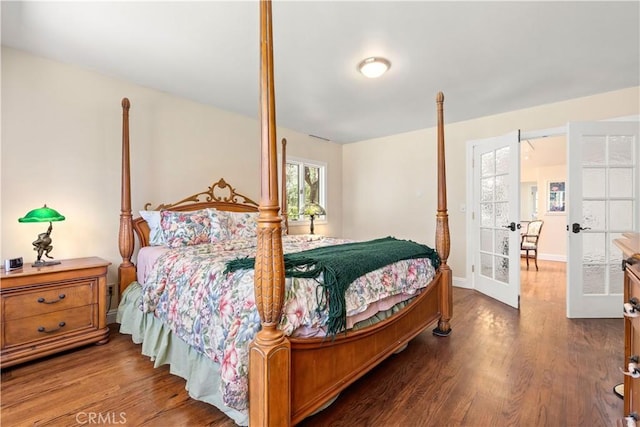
[
  {"x": 552, "y": 257},
  {"x": 111, "y": 316},
  {"x": 461, "y": 282}
]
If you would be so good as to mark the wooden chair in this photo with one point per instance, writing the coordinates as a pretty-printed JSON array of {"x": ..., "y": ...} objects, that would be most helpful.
[{"x": 529, "y": 241}]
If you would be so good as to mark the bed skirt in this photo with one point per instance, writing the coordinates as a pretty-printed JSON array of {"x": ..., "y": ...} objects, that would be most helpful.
[{"x": 201, "y": 373}]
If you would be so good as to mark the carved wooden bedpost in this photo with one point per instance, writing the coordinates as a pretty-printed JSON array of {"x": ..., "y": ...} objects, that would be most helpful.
[
  {"x": 126, "y": 270},
  {"x": 270, "y": 352},
  {"x": 443, "y": 242},
  {"x": 283, "y": 186}
]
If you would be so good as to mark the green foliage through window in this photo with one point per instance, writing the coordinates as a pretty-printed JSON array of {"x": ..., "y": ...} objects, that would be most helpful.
[{"x": 305, "y": 184}]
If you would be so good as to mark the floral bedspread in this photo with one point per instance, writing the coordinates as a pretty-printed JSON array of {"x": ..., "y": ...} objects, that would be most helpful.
[{"x": 216, "y": 314}]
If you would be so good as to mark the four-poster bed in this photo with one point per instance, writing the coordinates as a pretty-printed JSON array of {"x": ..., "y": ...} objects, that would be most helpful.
[{"x": 289, "y": 376}]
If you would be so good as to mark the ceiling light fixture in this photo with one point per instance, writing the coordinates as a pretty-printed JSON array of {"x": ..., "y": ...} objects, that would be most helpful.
[{"x": 374, "y": 67}]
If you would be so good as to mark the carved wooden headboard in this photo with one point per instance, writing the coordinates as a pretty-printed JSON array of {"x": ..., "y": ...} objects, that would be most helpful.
[{"x": 220, "y": 195}]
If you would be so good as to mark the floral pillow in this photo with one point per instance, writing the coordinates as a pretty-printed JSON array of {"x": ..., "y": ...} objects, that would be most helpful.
[
  {"x": 219, "y": 226},
  {"x": 186, "y": 228},
  {"x": 242, "y": 225}
]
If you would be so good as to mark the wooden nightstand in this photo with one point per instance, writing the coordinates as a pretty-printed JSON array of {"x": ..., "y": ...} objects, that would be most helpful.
[{"x": 46, "y": 310}]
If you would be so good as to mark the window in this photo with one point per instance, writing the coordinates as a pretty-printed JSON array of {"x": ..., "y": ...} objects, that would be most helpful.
[{"x": 306, "y": 182}]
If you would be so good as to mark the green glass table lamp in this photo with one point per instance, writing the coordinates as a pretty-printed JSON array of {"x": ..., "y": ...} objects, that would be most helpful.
[
  {"x": 313, "y": 210},
  {"x": 43, "y": 243}
]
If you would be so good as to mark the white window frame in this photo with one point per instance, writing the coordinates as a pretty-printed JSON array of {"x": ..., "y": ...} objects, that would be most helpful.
[{"x": 322, "y": 191}]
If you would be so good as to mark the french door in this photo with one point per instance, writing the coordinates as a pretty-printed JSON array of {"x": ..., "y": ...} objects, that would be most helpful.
[
  {"x": 495, "y": 217},
  {"x": 603, "y": 192}
]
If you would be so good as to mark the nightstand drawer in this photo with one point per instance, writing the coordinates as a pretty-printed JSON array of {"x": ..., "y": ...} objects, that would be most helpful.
[
  {"x": 49, "y": 325},
  {"x": 48, "y": 299},
  {"x": 45, "y": 310}
]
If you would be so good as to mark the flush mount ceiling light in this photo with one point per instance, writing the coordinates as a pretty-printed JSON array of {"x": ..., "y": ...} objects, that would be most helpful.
[{"x": 374, "y": 67}]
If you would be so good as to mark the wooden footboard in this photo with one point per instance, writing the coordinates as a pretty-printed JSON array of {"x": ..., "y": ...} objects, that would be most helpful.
[{"x": 321, "y": 367}]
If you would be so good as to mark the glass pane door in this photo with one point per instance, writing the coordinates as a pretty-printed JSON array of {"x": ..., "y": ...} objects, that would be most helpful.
[
  {"x": 603, "y": 176},
  {"x": 495, "y": 218}
]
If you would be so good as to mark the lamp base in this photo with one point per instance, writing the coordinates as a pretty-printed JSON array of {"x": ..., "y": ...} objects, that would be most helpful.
[
  {"x": 41, "y": 263},
  {"x": 311, "y": 228}
]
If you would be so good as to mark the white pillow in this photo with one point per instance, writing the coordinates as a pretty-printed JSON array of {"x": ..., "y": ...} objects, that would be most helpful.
[{"x": 156, "y": 237}]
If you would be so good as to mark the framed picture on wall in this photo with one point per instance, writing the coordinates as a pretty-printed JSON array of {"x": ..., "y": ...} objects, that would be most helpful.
[{"x": 556, "y": 197}]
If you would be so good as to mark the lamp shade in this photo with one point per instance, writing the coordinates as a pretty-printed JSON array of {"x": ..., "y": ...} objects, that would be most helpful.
[
  {"x": 313, "y": 209},
  {"x": 374, "y": 67},
  {"x": 43, "y": 214}
]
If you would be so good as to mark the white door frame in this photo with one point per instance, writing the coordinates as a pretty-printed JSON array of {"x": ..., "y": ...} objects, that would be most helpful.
[{"x": 544, "y": 133}]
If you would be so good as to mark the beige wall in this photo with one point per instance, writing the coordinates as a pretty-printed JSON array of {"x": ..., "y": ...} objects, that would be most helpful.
[
  {"x": 61, "y": 133},
  {"x": 389, "y": 182},
  {"x": 553, "y": 238},
  {"x": 61, "y": 136}
]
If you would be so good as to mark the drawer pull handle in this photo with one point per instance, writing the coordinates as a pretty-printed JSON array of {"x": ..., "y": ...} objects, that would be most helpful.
[
  {"x": 631, "y": 420},
  {"x": 44, "y": 301},
  {"x": 631, "y": 308},
  {"x": 632, "y": 370},
  {"x": 44, "y": 330},
  {"x": 630, "y": 261}
]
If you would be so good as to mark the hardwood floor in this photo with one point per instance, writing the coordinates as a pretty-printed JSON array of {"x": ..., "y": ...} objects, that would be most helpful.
[{"x": 500, "y": 367}]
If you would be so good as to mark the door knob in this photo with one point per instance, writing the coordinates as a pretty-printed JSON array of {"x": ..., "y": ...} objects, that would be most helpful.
[
  {"x": 576, "y": 228},
  {"x": 512, "y": 226}
]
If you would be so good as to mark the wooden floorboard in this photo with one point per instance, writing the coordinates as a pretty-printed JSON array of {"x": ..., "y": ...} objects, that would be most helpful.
[{"x": 499, "y": 367}]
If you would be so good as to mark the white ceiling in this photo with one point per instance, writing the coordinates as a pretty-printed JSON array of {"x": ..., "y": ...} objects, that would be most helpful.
[
  {"x": 543, "y": 152},
  {"x": 487, "y": 57}
]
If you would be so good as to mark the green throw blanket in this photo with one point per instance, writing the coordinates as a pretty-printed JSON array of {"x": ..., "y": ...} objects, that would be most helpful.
[{"x": 342, "y": 264}]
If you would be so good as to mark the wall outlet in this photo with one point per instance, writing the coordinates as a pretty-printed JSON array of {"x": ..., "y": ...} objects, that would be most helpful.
[
  {"x": 111, "y": 296},
  {"x": 112, "y": 303}
]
